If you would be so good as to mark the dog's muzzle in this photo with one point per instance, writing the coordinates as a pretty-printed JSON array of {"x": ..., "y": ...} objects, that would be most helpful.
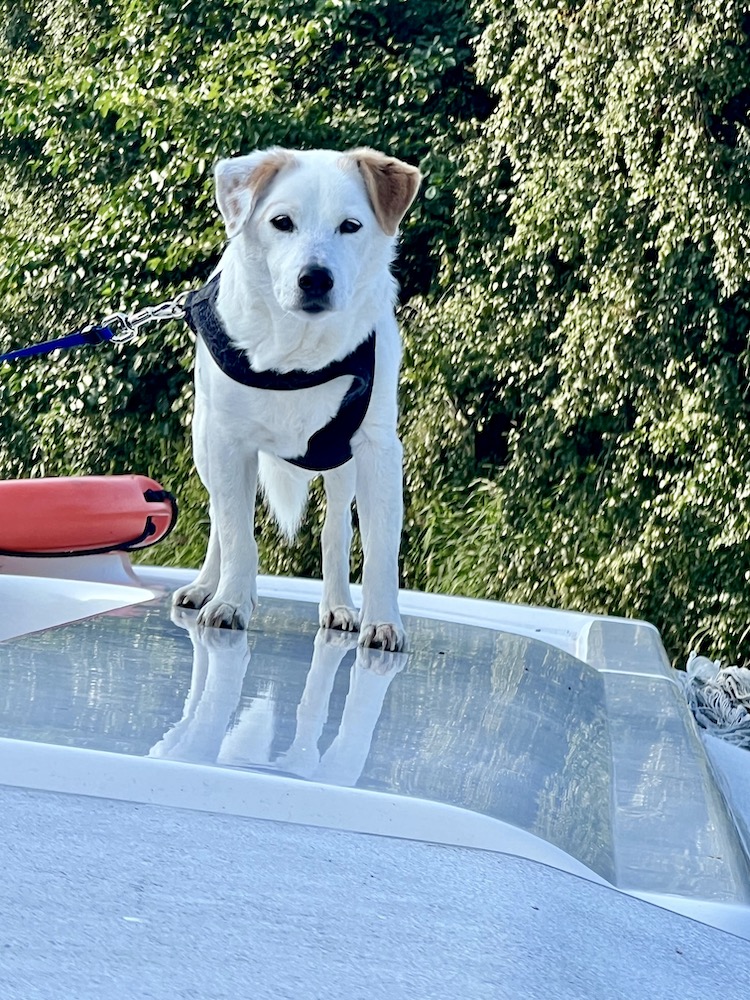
[{"x": 315, "y": 283}]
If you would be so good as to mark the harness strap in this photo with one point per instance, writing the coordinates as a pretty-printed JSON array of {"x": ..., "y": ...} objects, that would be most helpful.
[{"x": 328, "y": 447}]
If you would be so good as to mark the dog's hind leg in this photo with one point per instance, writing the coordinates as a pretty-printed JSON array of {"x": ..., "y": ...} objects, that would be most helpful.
[
  {"x": 336, "y": 608},
  {"x": 202, "y": 589}
]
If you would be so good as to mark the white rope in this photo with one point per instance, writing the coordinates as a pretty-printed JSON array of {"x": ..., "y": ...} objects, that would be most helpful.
[{"x": 719, "y": 698}]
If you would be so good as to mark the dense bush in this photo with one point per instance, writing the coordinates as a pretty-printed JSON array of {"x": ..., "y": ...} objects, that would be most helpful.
[
  {"x": 586, "y": 372},
  {"x": 576, "y": 274},
  {"x": 111, "y": 116}
]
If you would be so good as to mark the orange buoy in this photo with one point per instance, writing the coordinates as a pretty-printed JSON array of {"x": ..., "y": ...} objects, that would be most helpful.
[{"x": 80, "y": 515}]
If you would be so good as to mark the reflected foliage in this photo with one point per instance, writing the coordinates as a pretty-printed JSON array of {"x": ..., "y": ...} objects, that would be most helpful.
[{"x": 502, "y": 725}]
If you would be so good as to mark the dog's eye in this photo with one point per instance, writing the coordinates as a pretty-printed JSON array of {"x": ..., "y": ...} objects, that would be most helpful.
[
  {"x": 350, "y": 226},
  {"x": 283, "y": 223}
]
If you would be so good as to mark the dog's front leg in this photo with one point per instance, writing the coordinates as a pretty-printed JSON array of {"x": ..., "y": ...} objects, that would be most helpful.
[
  {"x": 380, "y": 507},
  {"x": 195, "y": 594},
  {"x": 233, "y": 484},
  {"x": 337, "y": 608}
]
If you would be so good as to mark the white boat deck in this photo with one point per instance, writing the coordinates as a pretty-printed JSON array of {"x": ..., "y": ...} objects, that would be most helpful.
[{"x": 482, "y": 815}]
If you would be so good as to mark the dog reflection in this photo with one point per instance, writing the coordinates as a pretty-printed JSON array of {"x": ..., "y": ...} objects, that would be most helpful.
[{"x": 220, "y": 661}]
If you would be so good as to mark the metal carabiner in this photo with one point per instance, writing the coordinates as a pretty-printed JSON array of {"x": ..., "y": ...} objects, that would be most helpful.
[
  {"x": 131, "y": 323},
  {"x": 122, "y": 319}
]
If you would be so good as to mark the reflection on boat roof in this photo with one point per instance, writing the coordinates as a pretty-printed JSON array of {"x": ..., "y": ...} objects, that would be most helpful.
[{"x": 474, "y": 736}]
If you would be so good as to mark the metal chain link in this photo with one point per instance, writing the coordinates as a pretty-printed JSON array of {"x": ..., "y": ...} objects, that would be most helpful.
[{"x": 131, "y": 323}]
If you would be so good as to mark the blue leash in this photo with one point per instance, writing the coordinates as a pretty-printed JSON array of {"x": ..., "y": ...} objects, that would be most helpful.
[
  {"x": 106, "y": 332},
  {"x": 89, "y": 336}
]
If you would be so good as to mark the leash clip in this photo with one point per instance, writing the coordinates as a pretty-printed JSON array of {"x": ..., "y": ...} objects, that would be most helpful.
[
  {"x": 131, "y": 323},
  {"x": 126, "y": 333},
  {"x": 117, "y": 328}
]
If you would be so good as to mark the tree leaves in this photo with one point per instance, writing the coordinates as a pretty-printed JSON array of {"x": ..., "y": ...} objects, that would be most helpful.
[
  {"x": 576, "y": 275},
  {"x": 605, "y": 287}
]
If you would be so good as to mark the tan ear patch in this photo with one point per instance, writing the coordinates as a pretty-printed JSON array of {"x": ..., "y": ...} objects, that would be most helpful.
[
  {"x": 267, "y": 169},
  {"x": 241, "y": 180},
  {"x": 391, "y": 184}
]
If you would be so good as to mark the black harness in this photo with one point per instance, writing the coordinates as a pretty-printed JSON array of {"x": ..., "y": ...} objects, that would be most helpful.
[{"x": 331, "y": 445}]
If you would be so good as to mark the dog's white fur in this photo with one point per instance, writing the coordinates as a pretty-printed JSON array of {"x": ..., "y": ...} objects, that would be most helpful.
[{"x": 284, "y": 212}]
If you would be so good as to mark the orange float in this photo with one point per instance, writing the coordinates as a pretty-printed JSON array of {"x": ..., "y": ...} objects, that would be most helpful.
[{"x": 81, "y": 515}]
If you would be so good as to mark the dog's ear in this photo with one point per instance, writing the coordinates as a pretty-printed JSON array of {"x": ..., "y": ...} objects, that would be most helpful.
[
  {"x": 241, "y": 180},
  {"x": 391, "y": 184}
]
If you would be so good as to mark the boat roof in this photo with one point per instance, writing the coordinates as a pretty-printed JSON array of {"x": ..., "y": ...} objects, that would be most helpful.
[{"x": 515, "y": 768}]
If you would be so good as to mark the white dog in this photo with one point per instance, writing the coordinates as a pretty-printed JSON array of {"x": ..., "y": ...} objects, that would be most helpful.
[{"x": 296, "y": 373}]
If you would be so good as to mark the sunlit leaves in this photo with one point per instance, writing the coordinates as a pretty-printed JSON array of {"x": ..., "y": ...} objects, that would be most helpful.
[
  {"x": 605, "y": 276},
  {"x": 576, "y": 387},
  {"x": 111, "y": 117}
]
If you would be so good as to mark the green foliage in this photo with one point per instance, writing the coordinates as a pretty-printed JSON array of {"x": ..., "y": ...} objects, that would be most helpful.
[
  {"x": 111, "y": 116},
  {"x": 576, "y": 276},
  {"x": 603, "y": 288}
]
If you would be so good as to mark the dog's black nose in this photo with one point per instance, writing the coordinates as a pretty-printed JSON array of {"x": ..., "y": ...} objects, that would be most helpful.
[{"x": 315, "y": 282}]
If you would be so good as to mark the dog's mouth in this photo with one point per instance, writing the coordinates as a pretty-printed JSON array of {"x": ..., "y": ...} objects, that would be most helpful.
[{"x": 315, "y": 308}]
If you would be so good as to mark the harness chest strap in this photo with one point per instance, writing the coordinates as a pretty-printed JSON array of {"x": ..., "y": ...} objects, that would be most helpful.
[{"x": 331, "y": 445}]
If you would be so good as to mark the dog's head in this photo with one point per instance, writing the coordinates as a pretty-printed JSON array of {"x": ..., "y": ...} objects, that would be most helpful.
[{"x": 317, "y": 225}]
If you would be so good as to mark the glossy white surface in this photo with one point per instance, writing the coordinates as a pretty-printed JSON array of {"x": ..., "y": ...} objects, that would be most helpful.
[
  {"x": 28, "y": 606},
  {"x": 606, "y": 643},
  {"x": 269, "y": 797},
  {"x": 490, "y": 735}
]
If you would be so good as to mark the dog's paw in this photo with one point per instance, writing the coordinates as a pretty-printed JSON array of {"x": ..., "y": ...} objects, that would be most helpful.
[
  {"x": 387, "y": 636},
  {"x": 334, "y": 639},
  {"x": 222, "y": 614},
  {"x": 380, "y": 662},
  {"x": 210, "y": 639},
  {"x": 193, "y": 596},
  {"x": 229, "y": 643},
  {"x": 342, "y": 618}
]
